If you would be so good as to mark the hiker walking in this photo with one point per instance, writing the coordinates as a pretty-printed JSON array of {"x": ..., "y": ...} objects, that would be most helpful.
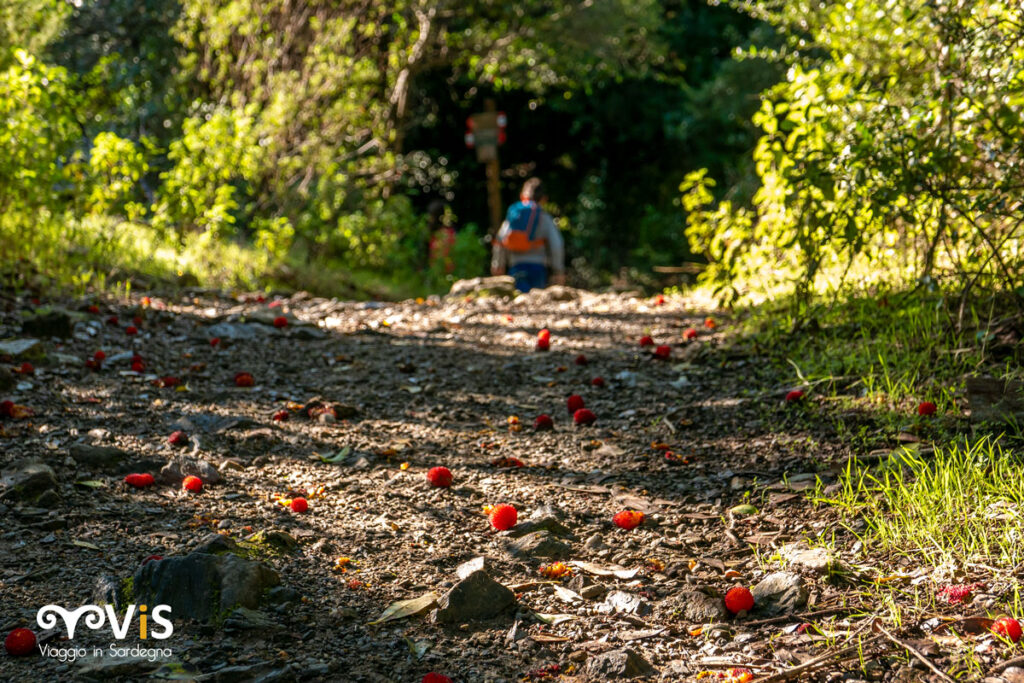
[{"x": 528, "y": 246}]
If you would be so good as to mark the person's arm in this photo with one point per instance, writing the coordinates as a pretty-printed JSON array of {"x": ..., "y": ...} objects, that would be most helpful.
[
  {"x": 556, "y": 249},
  {"x": 499, "y": 259}
]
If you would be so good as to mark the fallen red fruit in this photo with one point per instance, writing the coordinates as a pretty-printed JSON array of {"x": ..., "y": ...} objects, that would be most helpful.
[
  {"x": 100, "y": 356},
  {"x": 131, "y": 329},
  {"x": 26, "y": 369},
  {"x": 435, "y": 678},
  {"x": 926, "y": 408},
  {"x": 177, "y": 438},
  {"x": 543, "y": 344},
  {"x": 275, "y": 304},
  {"x": 192, "y": 483},
  {"x": 543, "y": 423},
  {"x": 663, "y": 352},
  {"x": 152, "y": 558},
  {"x": 659, "y": 300},
  {"x": 597, "y": 381},
  {"x": 139, "y": 481},
  {"x": 584, "y": 417},
  {"x": 168, "y": 381},
  {"x": 628, "y": 519},
  {"x": 281, "y": 415},
  {"x": 710, "y": 323},
  {"x": 138, "y": 366},
  {"x": 503, "y": 517},
  {"x": 544, "y": 334},
  {"x": 146, "y": 301},
  {"x": 794, "y": 395},
  {"x": 298, "y": 505},
  {"x": 439, "y": 477},
  {"x": 581, "y": 360},
  {"x": 1008, "y": 627},
  {"x": 112, "y": 320},
  {"x": 215, "y": 341},
  {"x": 646, "y": 341},
  {"x": 507, "y": 462},
  {"x": 20, "y": 642},
  {"x": 94, "y": 309},
  {"x": 574, "y": 403},
  {"x": 244, "y": 379},
  {"x": 280, "y": 321},
  {"x": 739, "y": 599},
  {"x": 690, "y": 333},
  {"x": 137, "y": 320},
  {"x": 94, "y": 364}
]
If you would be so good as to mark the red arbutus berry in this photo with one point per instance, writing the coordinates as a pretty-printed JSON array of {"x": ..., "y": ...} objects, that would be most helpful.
[
  {"x": 94, "y": 309},
  {"x": 26, "y": 368},
  {"x": 584, "y": 417},
  {"x": 597, "y": 381},
  {"x": 503, "y": 517},
  {"x": 439, "y": 477},
  {"x": 646, "y": 341},
  {"x": 298, "y": 505},
  {"x": 628, "y": 519},
  {"x": 244, "y": 379},
  {"x": 93, "y": 364},
  {"x": 178, "y": 438},
  {"x": 100, "y": 356},
  {"x": 139, "y": 481},
  {"x": 543, "y": 423},
  {"x": 926, "y": 409},
  {"x": 214, "y": 342},
  {"x": 794, "y": 396},
  {"x": 192, "y": 484},
  {"x": 131, "y": 329},
  {"x": 710, "y": 323},
  {"x": 166, "y": 382},
  {"x": 739, "y": 599},
  {"x": 574, "y": 403},
  {"x": 690, "y": 333},
  {"x": 146, "y": 301},
  {"x": 137, "y": 320},
  {"x": 659, "y": 300},
  {"x": 275, "y": 304},
  {"x": 544, "y": 334},
  {"x": 663, "y": 352},
  {"x": 138, "y": 366},
  {"x": 281, "y": 416},
  {"x": 543, "y": 344},
  {"x": 435, "y": 678},
  {"x": 1007, "y": 627},
  {"x": 20, "y": 642},
  {"x": 112, "y": 320},
  {"x": 507, "y": 462},
  {"x": 581, "y": 360},
  {"x": 260, "y": 298},
  {"x": 280, "y": 321}
]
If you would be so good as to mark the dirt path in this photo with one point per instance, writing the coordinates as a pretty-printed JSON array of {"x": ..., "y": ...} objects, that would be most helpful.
[{"x": 432, "y": 383}]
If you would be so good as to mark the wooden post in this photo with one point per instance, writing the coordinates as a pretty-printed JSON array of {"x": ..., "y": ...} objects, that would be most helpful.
[{"x": 493, "y": 180}]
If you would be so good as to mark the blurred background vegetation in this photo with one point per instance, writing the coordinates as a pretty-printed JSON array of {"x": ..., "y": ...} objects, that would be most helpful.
[{"x": 793, "y": 148}]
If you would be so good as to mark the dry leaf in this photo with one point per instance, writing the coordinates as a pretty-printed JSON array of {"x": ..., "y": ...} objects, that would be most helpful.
[{"x": 406, "y": 608}]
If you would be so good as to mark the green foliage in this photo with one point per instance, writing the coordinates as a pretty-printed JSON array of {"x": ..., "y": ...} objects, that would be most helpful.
[
  {"x": 888, "y": 154},
  {"x": 115, "y": 167}
]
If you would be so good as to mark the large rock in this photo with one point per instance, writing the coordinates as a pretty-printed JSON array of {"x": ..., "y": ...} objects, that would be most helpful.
[
  {"x": 617, "y": 664},
  {"x": 539, "y": 544},
  {"x": 498, "y": 285},
  {"x": 780, "y": 593},
  {"x": 26, "y": 481},
  {"x": 202, "y": 586},
  {"x": 477, "y": 596}
]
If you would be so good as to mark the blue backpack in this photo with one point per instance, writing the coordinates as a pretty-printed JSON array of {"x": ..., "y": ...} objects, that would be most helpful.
[{"x": 523, "y": 218}]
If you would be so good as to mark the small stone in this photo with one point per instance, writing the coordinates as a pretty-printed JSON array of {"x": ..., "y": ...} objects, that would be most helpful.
[
  {"x": 230, "y": 465},
  {"x": 179, "y": 468},
  {"x": 780, "y": 593},
  {"x": 26, "y": 480},
  {"x": 619, "y": 602},
  {"x": 22, "y": 348},
  {"x": 539, "y": 544},
  {"x": 616, "y": 664},
  {"x": 477, "y": 596},
  {"x": 245, "y": 619},
  {"x": 698, "y": 607},
  {"x": 578, "y": 656},
  {"x": 275, "y": 538},
  {"x": 470, "y": 566},
  {"x": 97, "y": 456},
  {"x": 818, "y": 560}
]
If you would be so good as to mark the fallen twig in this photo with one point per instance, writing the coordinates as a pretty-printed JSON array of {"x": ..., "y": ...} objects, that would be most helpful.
[
  {"x": 914, "y": 651},
  {"x": 801, "y": 669},
  {"x": 1003, "y": 666},
  {"x": 802, "y": 617}
]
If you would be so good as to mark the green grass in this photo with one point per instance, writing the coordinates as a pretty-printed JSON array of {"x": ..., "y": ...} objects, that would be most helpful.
[{"x": 958, "y": 507}]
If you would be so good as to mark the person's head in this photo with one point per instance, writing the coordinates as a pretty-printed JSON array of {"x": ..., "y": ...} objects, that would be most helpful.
[{"x": 533, "y": 190}]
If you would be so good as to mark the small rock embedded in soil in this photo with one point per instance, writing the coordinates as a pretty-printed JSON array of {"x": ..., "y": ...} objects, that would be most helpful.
[
  {"x": 780, "y": 593},
  {"x": 27, "y": 481},
  {"x": 617, "y": 664},
  {"x": 539, "y": 544},
  {"x": 475, "y": 597}
]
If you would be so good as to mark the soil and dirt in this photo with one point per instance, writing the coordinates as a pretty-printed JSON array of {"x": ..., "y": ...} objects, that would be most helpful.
[{"x": 395, "y": 389}]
